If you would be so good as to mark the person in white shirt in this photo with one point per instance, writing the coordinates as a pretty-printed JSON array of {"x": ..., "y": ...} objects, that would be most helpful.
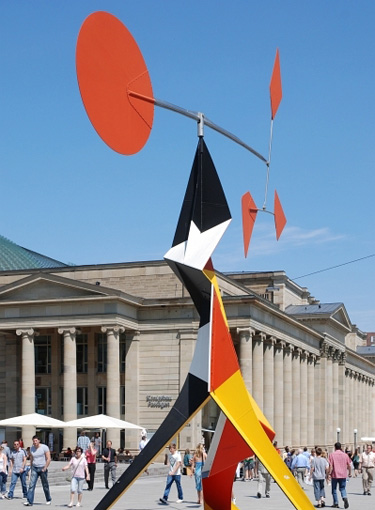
[
  {"x": 367, "y": 464},
  {"x": 174, "y": 475}
]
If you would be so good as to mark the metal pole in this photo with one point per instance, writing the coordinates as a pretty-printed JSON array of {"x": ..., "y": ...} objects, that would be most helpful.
[{"x": 198, "y": 117}]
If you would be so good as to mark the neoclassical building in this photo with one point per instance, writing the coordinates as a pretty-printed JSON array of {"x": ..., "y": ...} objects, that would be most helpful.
[{"x": 118, "y": 339}]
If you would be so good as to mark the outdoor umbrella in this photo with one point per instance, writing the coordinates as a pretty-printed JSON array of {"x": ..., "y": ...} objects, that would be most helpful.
[
  {"x": 101, "y": 421},
  {"x": 34, "y": 420}
]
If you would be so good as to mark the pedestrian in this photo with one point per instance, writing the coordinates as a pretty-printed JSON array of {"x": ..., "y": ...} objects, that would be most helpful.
[
  {"x": 174, "y": 475},
  {"x": 98, "y": 443},
  {"x": 3, "y": 472},
  {"x": 263, "y": 477},
  {"x": 367, "y": 464},
  {"x": 91, "y": 464},
  {"x": 318, "y": 472},
  {"x": 355, "y": 460},
  {"x": 17, "y": 469},
  {"x": 188, "y": 459},
  {"x": 198, "y": 461},
  {"x": 300, "y": 465},
  {"x": 78, "y": 465},
  {"x": 83, "y": 441},
  {"x": 40, "y": 458},
  {"x": 248, "y": 467},
  {"x": 142, "y": 444},
  {"x": 339, "y": 469},
  {"x": 109, "y": 457}
]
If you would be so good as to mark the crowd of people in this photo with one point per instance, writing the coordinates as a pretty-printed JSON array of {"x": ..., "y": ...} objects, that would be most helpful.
[
  {"x": 30, "y": 464},
  {"x": 316, "y": 467}
]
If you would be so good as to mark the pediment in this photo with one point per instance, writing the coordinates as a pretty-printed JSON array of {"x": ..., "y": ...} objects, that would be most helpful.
[
  {"x": 48, "y": 287},
  {"x": 342, "y": 317}
]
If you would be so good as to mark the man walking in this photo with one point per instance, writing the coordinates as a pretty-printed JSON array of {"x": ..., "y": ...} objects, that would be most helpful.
[
  {"x": 300, "y": 465},
  {"x": 40, "y": 460},
  {"x": 83, "y": 442},
  {"x": 263, "y": 476},
  {"x": 110, "y": 463},
  {"x": 174, "y": 475},
  {"x": 367, "y": 464},
  {"x": 17, "y": 469},
  {"x": 339, "y": 468}
]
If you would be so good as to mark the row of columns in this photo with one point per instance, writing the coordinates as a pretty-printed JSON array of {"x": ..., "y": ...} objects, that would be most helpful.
[
  {"x": 70, "y": 378},
  {"x": 306, "y": 397}
]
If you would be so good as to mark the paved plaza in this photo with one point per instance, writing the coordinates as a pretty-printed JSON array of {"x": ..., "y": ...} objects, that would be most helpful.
[{"x": 146, "y": 491}]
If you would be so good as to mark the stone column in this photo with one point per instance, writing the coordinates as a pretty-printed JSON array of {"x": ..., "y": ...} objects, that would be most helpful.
[
  {"x": 372, "y": 430},
  {"x": 347, "y": 409},
  {"x": 304, "y": 398},
  {"x": 246, "y": 355},
  {"x": 352, "y": 418},
  {"x": 113, "y": 379},
  {"x": 132, "y": 398},
  {"x": 335, "y": 395},
  {"x": 288, "y": 394},
  {"x": 28, "y": 380},
  {"x": 341, "y": 396},
  {"x": 357, "y": 417},
  {"x": 268, "y": 378},
  {"x": 310, "y": 399},
  {"x": 70, "y": 383},
  {"x": 278, "y": 385},
  {"x": 191, "y": 434},
  {"x": 257, "y": 382},
  {"x": 329, "y": 390},
  {"x": 296, "y": 400}
]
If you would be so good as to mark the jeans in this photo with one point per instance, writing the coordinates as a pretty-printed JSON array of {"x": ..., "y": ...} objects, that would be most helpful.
[
  {"x": 13, "y": 482},
  {"x": 37, "y": 472},
  {"x": 342, "y": 487},
  {"x": 76, "y": 485},
  {"x": 319, "y": 489},
  {"x": 170, "y": 480},
  {"x": 3, "y": 482},
  {"x": 109, "y": 467}
]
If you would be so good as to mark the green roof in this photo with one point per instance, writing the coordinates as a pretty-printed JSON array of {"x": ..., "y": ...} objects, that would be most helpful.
[{"x": 14, "y": 257}]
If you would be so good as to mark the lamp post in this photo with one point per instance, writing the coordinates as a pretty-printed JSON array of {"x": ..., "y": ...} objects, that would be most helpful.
[
  {"x": 338, "y": 430},
  {"x": 355, "y": 438}
]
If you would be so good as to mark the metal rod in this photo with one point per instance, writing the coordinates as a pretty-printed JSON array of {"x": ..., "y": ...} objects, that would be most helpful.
[
  {"x": 198, "y": 117},
  {"x": 268, "y": 165}
]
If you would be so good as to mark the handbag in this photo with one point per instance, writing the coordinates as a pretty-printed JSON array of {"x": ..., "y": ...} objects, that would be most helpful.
[{"x": 69, "y": 477}]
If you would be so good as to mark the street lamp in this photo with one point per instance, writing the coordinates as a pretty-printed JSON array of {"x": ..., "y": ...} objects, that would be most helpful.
[
  {"x": 355, "y": 438},
  {"x": 338, "y": 430}
]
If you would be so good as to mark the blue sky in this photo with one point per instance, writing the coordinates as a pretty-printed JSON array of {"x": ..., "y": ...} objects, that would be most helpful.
[{"x": 65, "y": 194}]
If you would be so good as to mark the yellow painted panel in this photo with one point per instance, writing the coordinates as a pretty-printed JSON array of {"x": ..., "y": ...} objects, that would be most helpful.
[{"x": 234, "y": 400}]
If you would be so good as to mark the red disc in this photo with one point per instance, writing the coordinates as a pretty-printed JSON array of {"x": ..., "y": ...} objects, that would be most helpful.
[{"x": 110, "y": 66}]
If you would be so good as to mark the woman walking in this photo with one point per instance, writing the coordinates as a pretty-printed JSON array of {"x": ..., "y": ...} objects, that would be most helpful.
[
  {"x": 78, "y": 465},
  {"x": 3, "y": 472},
  {"x": 91, "y": 453},
  {"x": 199, "y": 458}
]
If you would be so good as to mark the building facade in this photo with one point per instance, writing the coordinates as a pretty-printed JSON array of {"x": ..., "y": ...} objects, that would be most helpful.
[{"x": 119, "y": 338}]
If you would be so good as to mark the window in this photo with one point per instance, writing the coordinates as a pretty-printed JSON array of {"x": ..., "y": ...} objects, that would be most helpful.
[
  {"x": 102, "y": 352},
  {"x": 43, "y": 401},
  {"x": 122, "y": 399},
  {"x": 102, "y": 400},
  {"x": 82, "y": 347},
  {"x": 82, "y": 401},
  {"x": 42, "y": 346},
  {"x": 122, "y": 353}
]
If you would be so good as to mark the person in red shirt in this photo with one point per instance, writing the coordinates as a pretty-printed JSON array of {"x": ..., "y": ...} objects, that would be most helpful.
[
  {"x": 339, "y": 468},
  {"x": 90, "y": 454}
]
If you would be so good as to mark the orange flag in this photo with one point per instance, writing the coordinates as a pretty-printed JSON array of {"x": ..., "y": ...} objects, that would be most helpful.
[{"x": 276, "y": 92}]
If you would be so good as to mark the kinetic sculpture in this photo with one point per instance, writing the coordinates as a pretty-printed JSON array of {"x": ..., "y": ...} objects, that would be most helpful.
[{"x": 117, "y": 94}]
